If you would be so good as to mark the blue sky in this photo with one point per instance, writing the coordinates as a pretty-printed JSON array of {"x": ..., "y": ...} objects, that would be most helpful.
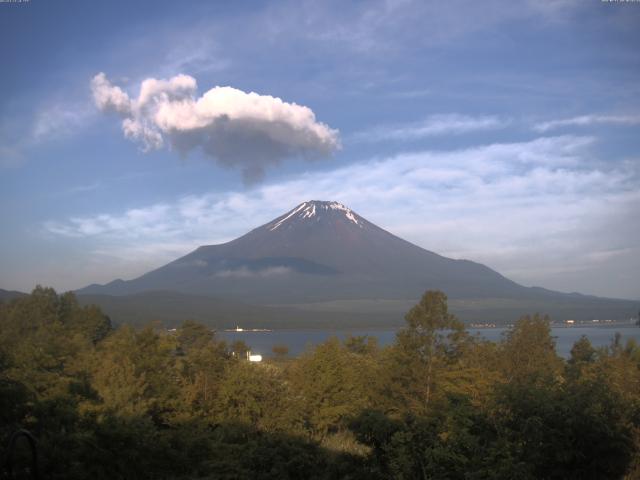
[{"x": 502, "y": 132}]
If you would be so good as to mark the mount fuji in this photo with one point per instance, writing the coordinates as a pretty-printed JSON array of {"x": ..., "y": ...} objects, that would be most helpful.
[{"x": 323, "y": 257}]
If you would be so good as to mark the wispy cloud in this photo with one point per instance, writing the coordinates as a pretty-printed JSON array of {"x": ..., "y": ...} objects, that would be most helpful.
[
  {"x": 383, "y": 25},
  {"x": 433, "y": 125},
  {"x": 587, "y": 120},
  {"x": 134, "y": 223},
  {"x": 196, "y": 51},
  {"x": 244, "y": 272},
  {"x": 50, "y": 123},
  {"x": 60, "y": 120},
  {"x": 530, "y": 209},
  {"x": 77, "y": 189}
]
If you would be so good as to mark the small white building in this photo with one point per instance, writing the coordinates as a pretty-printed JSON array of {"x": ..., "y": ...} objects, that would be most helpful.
[{"x": 254, "y": 358}]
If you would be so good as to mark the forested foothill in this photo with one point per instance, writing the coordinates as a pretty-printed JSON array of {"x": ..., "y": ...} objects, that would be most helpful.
[{"x": 439, "y": 403}]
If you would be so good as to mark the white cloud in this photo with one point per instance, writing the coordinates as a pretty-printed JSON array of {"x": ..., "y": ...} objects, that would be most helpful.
[
  {"x": 237, "y": 129},
  {"x": 586, "y": 120},
  {"x": 433, "y": 125},
  {"x": 109, "y": 97},
  {"x": 541, "y": 212}
]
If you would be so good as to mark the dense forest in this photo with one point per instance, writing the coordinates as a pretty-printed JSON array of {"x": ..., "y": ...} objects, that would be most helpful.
[{"x": 124, "y": 403}]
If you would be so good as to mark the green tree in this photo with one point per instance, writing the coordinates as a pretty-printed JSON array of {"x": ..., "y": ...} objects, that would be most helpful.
[
  {"x": 362, "y": 344},
  {"x": 529, "y": 352},
  {"x": 135, "y": 373},
  {"x": 446, "y": 443},
  {"x": 193, "y": 335},
  {"x": 570, "y": 431},
  {"x": 121, "y": 385},
  {"x": 617, "y": 367},
  {"x": 332, "y": 385},
  {"x": 88, "y": 321},
  {"x": 582, "y": 351},
  {"x": 255, "y": 395},
  {"x": 582, "y": 356},
  {"x": 432, "y": 341},
  {"x": 239, "y": 349},
  {"x": 45, "y": 337},
  {"x": 200, "y": 364}
]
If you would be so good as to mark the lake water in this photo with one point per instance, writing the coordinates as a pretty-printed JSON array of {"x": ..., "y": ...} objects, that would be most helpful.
[{"x": 298, "y": 340}]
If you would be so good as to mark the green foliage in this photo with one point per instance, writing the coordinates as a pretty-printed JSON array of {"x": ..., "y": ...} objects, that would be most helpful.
[
  {"x": 199, "y": 365},
  {"x": 431, "y": 343},
  {"x": 332, "y": 385},
  {"x": 448, "y": 443},
  {"x": 194, "y": 336},
  {"x": 255, "y": 395},
  {"x": 152, "y": 404},
  {"x": 529, "y": 352},
  {"x": 239, "y": 349},
  {"x": 44, "y": 338},
  {"x": 582, "y": 352},
  {"x": 583, "y": 355},
  {"x": 375, "y": 429},
  {"x": 577, "y": 430},
  {"x": 362, "y": 344}
]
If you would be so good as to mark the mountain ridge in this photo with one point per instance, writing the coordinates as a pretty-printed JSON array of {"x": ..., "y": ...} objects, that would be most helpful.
[
  {"x": 8, "y": 295},
  {"x": 319, "y": 237},
  {"x": 322, "y": 251}
]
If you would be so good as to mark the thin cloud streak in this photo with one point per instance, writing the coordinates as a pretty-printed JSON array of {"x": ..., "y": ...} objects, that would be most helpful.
[
  {"x": 587, "y": 120},
  {"x": 433, "y": 125}
]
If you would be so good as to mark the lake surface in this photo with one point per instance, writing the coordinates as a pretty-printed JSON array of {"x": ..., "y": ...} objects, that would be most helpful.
[{"x": 299, "y": 340}]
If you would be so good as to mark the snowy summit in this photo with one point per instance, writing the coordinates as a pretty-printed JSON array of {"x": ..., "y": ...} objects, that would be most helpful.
[{"x": 316, "y": 209}]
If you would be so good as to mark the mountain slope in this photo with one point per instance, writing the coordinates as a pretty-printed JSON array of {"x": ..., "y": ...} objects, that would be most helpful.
[
  {"x": 172, "y": 308},
  {"x": 324, "y": 252},
  {"x": 319, "y": 251},
  {"x": 8, "y": 295}
]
